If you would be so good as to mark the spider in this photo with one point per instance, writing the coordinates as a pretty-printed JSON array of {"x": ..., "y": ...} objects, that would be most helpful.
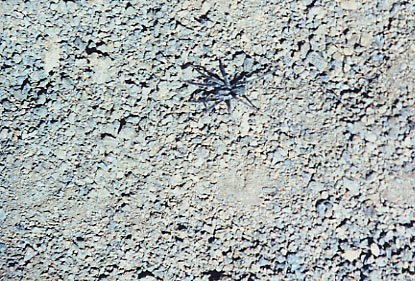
[{"x": 217, "y": 89}]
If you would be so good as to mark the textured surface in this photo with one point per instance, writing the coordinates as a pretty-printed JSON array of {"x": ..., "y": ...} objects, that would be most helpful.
[{"x": 106, "y": 171}]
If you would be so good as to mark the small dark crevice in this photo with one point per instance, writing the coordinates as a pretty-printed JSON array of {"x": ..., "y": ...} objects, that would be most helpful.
[
  {"x": 123, "y": 204},
  {"x": 214, "y": 274},
  {"x": 153, "y": 10},
  {"x": 300, "y": 44},
  {"x": 369, "y": 174},
  {"x": 343, "y": 222},
  {"x": 345, "y": 31},
  {"x": 178, "y": 239},
  {"x": 122, "y": 124},
  {"x": 143, "y": 84},
  {"x": 103, "y": 135},
  {"x": 366, "y": 269},
  {"x": 181, "y": 227},
  {"x": 44, "y": 90},
  {"x": 102, "y": 276},
  {"x": 409, "y": 225},
  {"x": 24, "y": 83},
  {"x": 89, "y": 50},
  {"x": 202, "y": 19},
  {"x": 141, "y": 28},
  {"x": 145, "y": 274},
  {"x": 312, "y": 4},
  {"x": 5, "y": 66}
]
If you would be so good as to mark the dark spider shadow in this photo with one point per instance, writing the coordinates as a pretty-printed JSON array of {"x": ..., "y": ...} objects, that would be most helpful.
[{"x": 220, "y": 88}]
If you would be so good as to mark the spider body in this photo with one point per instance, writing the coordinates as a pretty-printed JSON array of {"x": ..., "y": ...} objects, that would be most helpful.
[{"x": 216, "y": 88}]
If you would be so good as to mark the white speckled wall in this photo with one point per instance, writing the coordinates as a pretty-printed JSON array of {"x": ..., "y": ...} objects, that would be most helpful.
[{"x": 109, "y": 172}]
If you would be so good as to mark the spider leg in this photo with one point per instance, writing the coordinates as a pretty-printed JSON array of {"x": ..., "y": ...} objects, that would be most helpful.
[
  {"x": 242, "y": 78},
  {"x": 228, "y": 105},
  {"x": 208, "y": 109},
  {"x": 201, "y": 84},
  {"x": 223, "y": 72},
  {"x": 191, "y": 99},
  {"x": 209, "y": 75},
  {"x": 248, "y": 103},
  {"x": 246, "y": 81},
  {"x": 244, "y": 102},
  {"x": 238, "y": 77},
  {"x": 205, "y": 100}
]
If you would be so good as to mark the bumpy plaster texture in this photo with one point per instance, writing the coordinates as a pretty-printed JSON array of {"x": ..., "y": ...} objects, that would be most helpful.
[{"x": 108, "y": 172}]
